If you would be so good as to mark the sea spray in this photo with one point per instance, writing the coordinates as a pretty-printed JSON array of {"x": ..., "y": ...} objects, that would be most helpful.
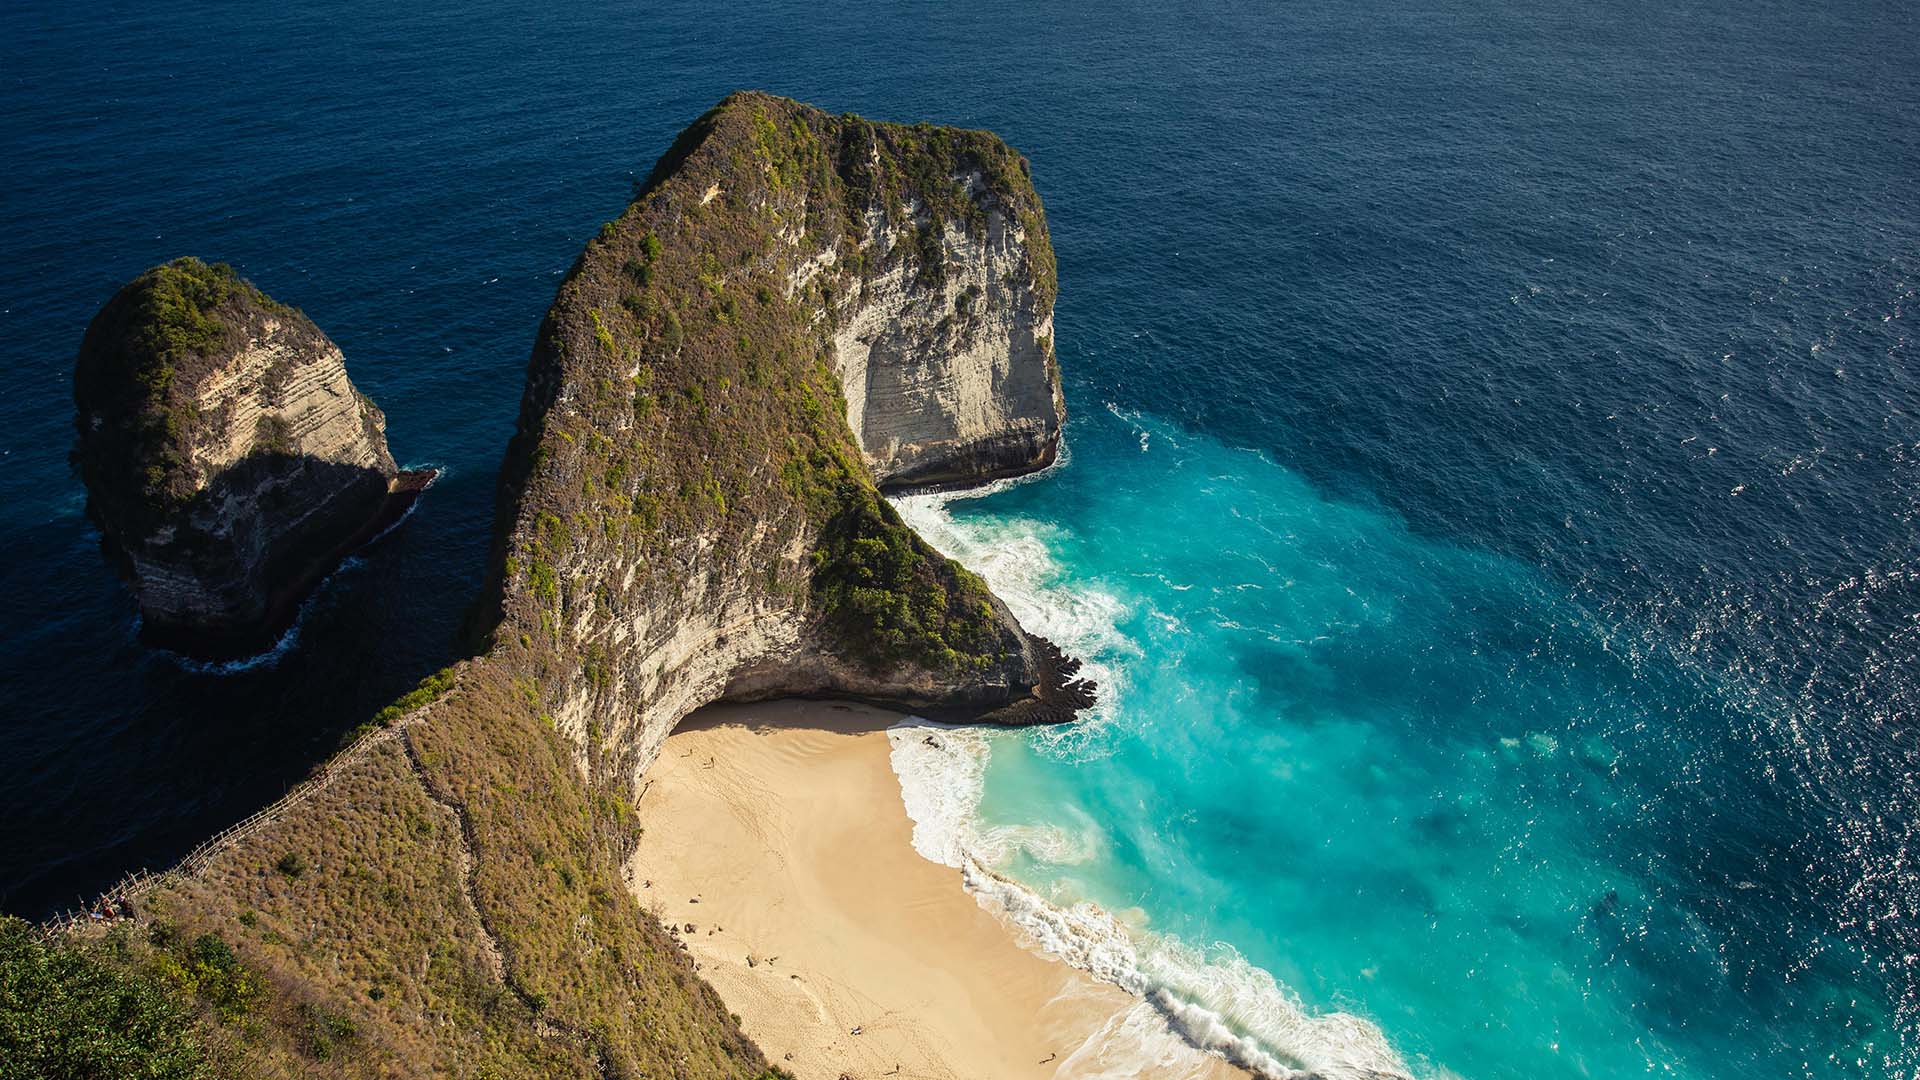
[
  {"x": 942, "y": 774},
  {"x": 1135, "y": 1042},
  {"x": 1014, "y": 556}
]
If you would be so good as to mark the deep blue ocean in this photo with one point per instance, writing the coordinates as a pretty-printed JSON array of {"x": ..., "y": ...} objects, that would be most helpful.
[{"x": 1491, "y": 503}]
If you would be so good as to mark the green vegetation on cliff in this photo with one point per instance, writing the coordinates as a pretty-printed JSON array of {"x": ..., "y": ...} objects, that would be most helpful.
[
  {"x": 886, "y": 599},
  {"x": 683, "y": 382},
  {"x": 76, "y": 1011},
  {"x": 152, "y": 339},
  {"x": 449, "y": 903},
  {"x": 448, "y": 897}
]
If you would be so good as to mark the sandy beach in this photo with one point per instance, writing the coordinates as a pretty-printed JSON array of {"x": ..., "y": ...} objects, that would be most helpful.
[{"x": 777, "y": 843}]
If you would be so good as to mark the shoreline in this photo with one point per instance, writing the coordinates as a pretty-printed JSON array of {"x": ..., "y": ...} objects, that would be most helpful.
[{"x": 776, "y": 831}]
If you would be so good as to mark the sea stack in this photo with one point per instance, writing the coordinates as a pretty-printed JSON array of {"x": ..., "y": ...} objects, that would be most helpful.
[{"x": 229, "y": 462}]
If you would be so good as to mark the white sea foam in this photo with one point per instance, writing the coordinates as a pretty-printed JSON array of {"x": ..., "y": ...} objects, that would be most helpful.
[
  {"x": 1209, "y": 998},
  {"x": 1013, "y": 555},
  {"x": 1212, "y": 998},
  {"x": 269, "y": 658},
  {"x": 1135, "y": 1042},
  {"x": 942, "y": 771}
]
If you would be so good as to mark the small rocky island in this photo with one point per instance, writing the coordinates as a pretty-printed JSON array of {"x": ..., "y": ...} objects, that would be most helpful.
[
  {"x": 229, "y": 461},
  {"x": 797, "y": 311}
]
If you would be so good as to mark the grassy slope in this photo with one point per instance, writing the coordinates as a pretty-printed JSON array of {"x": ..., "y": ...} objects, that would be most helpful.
[{"x": 451, "y": 903}]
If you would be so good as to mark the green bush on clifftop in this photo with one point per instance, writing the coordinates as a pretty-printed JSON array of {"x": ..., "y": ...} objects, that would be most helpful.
[
  {"x": 887, "y": 597},
  {"x": 162, "y": 325},
  {"x": 68, "y": 1013}
]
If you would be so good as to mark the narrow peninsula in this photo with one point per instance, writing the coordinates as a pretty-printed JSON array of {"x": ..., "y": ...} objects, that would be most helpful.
[{"x": 797, "y": 311}]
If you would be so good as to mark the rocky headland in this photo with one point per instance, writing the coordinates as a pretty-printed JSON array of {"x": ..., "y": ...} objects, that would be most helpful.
[
  {"x": 796, "y": 310},
  {"x": 228, "y": 459}
]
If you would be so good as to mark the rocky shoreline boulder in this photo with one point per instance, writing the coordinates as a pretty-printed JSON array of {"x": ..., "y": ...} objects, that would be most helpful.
[{"x": 229, "y": 461}]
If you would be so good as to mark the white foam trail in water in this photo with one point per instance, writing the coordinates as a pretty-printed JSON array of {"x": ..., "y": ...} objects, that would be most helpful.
[
  {"x": 943, "y": 813},
  {"x": 1213, "y": 999},
  {"x": 942, "y": 772},
  {"x": 1012, "y": 554},
  {"x": 290, "y": 639},
  {"x": 1135, "y": 1043},
  {"x": 267, "y": 659}
]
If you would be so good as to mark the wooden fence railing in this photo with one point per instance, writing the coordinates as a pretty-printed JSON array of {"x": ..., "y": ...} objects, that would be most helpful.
[{"x": 108, "y": 906}]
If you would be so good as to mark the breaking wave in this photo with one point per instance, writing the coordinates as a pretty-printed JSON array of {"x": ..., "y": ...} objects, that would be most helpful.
[
  {"x": 1211, "y": 997},
  {"x": 1015, "y": 558}
]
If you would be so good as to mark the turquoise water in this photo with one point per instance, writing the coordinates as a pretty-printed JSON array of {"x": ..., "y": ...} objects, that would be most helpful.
[
  {"x": 1494, "y": 497},
  {"x": 1408, "y": 780}
]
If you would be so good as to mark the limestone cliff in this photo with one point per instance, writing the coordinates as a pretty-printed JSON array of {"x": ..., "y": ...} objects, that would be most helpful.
[
  {"x": 945, "y": 348},
  {"x": 687, "y": 514},
  {"x": 228, "y": 459}
]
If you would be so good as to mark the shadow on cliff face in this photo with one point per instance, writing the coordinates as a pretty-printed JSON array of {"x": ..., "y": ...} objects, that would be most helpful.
[{"x": 215, "y": 585}]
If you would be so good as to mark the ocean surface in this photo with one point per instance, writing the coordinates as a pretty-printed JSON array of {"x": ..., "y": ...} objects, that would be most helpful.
[{"x": 1490, "y": 508}]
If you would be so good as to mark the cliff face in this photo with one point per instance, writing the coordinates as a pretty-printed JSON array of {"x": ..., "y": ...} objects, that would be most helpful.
[
  {"x": 947, "y": 365},
  {"x": 227, "y": 457},
  {"x": 688, "y": 512}
]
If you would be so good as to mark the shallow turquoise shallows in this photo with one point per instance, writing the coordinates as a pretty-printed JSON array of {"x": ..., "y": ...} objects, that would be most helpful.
[{"x": 1339, "y": 768}]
